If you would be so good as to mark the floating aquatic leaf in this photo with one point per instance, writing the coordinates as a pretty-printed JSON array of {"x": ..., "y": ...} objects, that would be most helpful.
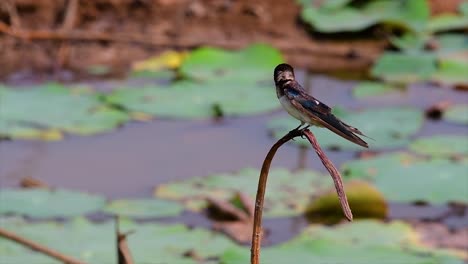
[
  {"x": 95, "y": 243},
  {"x": 43, "y": 203},
  {"x": 174, "y": 243},
  {"x": 81, "y": 239},
  {"x": 141, "y": 208},
  {"x": 217, "y": 83},
  {"x": 370, "y": 89},
  {"x": 441, "y": 145},
  {"x": 252, "y": 64},
  {"x": 371, "y": 167},
  {"x": 410, "y": 15},
  {"x": 452, "y": 72},
  {"x": 405, "y": 178},
  {"x": 364, "y": 199},
  {"x": 166, "y": 60},
  {"x": 404, "y": 68},
  {"x": 410, "y": 42},
  {"x": 375, "y": 123},
  {"x": 186, "y": 99},
  {"x": 160, "y": 67},
  {"x": 34, "y": 112},
  {"x": 457, "y": 114},
  {"x": 451, "y": 42},
  {"x": 447, "y": 22},
  {"x": 356, "y": 243},
  {"x": 288, "y": 193}
]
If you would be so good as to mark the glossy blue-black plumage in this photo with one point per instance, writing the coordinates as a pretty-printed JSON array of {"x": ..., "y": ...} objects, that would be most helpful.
[{"x": 307, "y": 109}]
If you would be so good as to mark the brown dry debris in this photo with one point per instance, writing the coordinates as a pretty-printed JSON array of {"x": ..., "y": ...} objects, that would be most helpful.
[
  {"x": 438, "y": 235},
  {"x": 235, "y": 222},
  {"x": 50, "y": 35}
]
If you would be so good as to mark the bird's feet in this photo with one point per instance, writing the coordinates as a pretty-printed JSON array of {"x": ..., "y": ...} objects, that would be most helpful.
[
  {"x": 303, "y": 129},
  {"x": 300, "y": 130}
]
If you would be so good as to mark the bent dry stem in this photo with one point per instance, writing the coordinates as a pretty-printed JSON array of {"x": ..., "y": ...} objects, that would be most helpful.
[{"x": 334, "y": 173}]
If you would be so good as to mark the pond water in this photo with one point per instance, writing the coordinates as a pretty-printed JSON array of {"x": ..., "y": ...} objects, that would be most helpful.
[{"x": 135, "y": 158}]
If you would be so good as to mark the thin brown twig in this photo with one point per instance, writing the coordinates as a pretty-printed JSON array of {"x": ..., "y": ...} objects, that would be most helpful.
[
  {"x": 334, "y": 173},
  {"x": 257, "y": 227},
  {"x": 37, "y": 247}
]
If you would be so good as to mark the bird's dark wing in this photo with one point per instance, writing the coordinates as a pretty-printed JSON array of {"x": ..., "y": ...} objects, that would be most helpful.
[
  {"x": 321, "y": 114},
  {"x": 308, "y": 102}
]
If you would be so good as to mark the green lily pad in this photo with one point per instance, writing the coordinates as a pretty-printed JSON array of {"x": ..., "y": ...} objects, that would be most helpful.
[
  {"x": 28, "y": 112},
  {"x": 410, "y": 15},
  {"x": 447, "y": 22},
  {"x": 378, "y": 124},
  {"x": 216, "y": 83},
  {"x": 451, "y": 42},
  {"x": 452, "y": 72},
  {"x": 368, "y": 169},
  {"x": 441, "y": 145},
  {"x": 288, "y": 193},
  {"x": 187, "y": 100},
  {"x": 404, "y": 68},
  {"x": 364, "y": 199},
  {"x": 95, "y": 243},
  {"x": 43, "y": 203},
  {"x": 404, "y": 178},
  {"x": 356, "y": 243},
  {"x": 81, "y": 239},
  {"x": 463, "y": 8},
  {"x": 371, "y": 89},
  {"x": 252, "y": 64},
  {"x": 457, "y": 114},
  {"x": 410, "y": 42},
  {"x": 141, "y": 208},
  {"x": 174, "y": 243}
]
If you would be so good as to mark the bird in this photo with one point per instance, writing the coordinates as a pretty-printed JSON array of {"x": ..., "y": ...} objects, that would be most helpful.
[{"x": 308, "y": 110}]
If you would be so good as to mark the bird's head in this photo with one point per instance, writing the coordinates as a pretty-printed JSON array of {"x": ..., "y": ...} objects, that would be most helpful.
[{"x": 283, "y": 72}]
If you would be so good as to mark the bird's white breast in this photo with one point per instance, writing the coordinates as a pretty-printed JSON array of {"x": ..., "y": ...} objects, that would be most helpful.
[{"x": 293, "y": 111}]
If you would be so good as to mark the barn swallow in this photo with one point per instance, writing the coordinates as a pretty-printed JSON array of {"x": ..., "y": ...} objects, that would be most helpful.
[{"x": 307, "y": 109}]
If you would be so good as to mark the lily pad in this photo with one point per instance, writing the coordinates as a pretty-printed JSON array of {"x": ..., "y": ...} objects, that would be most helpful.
[
  {"x": 441, "y": 145},
  {"x": 371, "y": 167},
  {"x": 217, "y": 83},
  {"x": 382, "y": 243},
  {"x": 409, "y": 15},
  {"x": 161, "y": 66},
  {"x": 29, "y": 113},
  {"x": 174, "y": 243},
  {"x": 252, "y": 64},
  {"x": 288, "y": 193},
  {"x": 371, "y": 89},
  {"x": 405, "y": 178},
  {"x": 81, "y": 239},
  {"x": 43, "y": 203},
  {"x": 452, "y": 72},
  {"x": 95, "y": 243},
  {"x": 457, "y": 114},
  {"x": 447, "y": 22},
  {"x": 144, "y": 208},
  {"x": 404, "y": 68},
  {"x": 364, "y": 199},
  {"x": 188, "y": 100},
  {"x": 451, "y": 47},
  {"x": 378, "y": 124}
]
